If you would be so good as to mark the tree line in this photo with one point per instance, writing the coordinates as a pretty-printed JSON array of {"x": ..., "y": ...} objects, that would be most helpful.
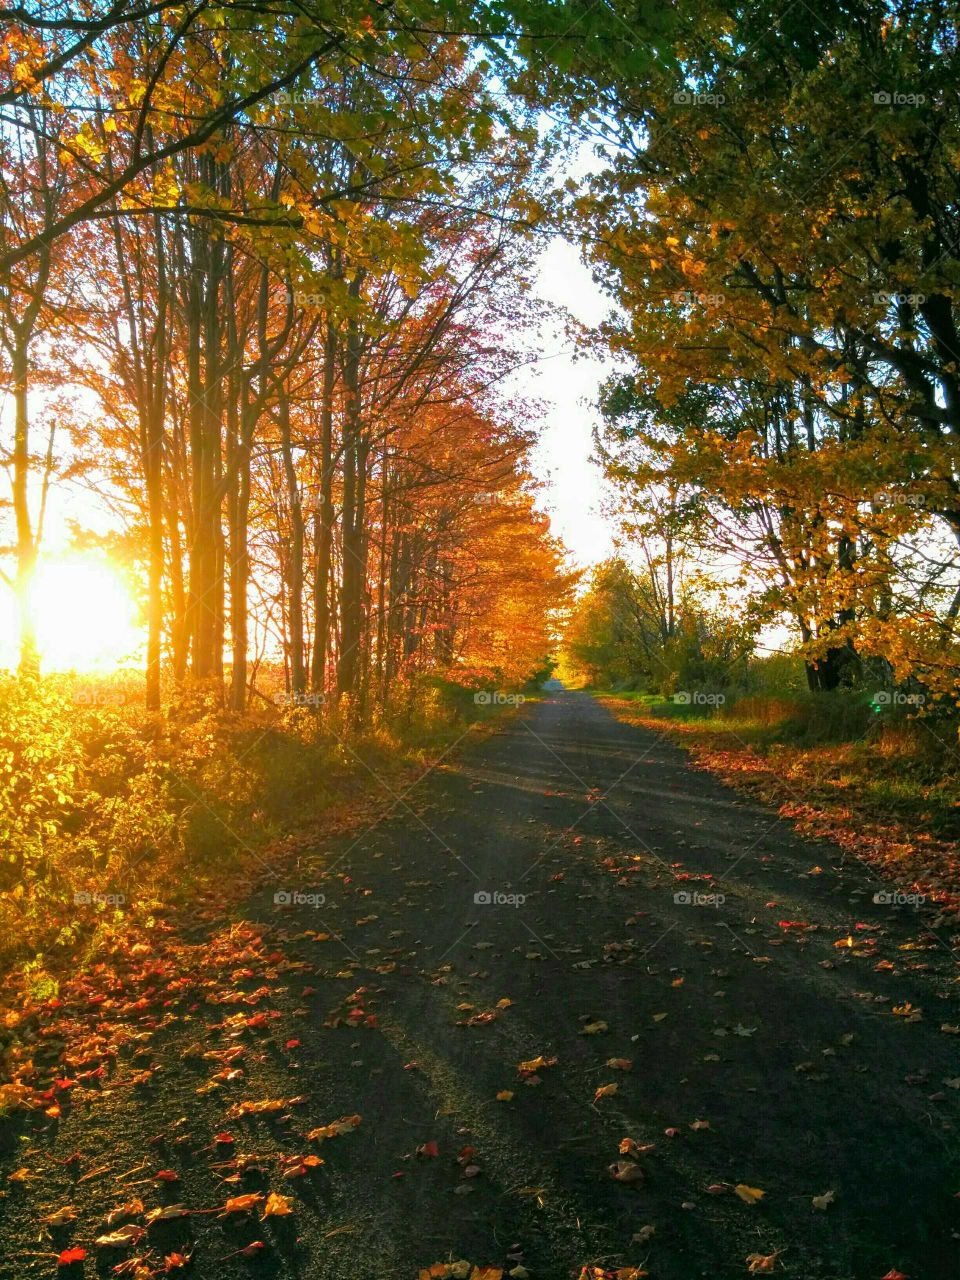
[
  {"x": 289, "y": 252},
  {"x": 282, "y": 257}
]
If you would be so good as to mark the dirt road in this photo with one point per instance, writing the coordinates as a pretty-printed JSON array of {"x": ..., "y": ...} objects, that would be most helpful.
[{"x": 567, "y": 889}]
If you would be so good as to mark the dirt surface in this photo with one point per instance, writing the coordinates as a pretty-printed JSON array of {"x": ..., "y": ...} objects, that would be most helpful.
[{"x": 788, "y": 1038}]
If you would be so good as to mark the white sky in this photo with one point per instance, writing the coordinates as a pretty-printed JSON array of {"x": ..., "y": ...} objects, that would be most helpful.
[{"x": 567, "y": 383}]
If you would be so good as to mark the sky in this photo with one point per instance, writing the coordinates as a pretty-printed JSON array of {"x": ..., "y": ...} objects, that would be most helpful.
[{"x": 568, "y": 383}]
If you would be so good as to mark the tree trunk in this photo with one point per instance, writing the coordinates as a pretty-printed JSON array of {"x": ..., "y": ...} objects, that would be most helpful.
[
  {"x": 26, "y": 544},
  {"x": 323, "y": 519},
  {"x": 298, "y": 674}
]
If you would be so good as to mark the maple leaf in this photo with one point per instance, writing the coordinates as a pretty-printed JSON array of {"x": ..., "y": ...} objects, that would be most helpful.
[
  {"x": 69, "y": 1256},
  {"x": 61, "y": 1217},
  {"x": 749, "y": 1195},
  {"x": 165, "y": 1213},
  {"x": 242, "y": 1204},
  {"x": 277, "y": 1206},
  {"x": 760, "y": 1263},
  {"x": 130, "y": 1234},
  {"x": 131, "y": 1209},
  {"x": 533, "y": 1065},
  {"x": 335, "y": 1129},
  {"x": 267, "y": 1107},
  {"x": 630, "y": 1147}
]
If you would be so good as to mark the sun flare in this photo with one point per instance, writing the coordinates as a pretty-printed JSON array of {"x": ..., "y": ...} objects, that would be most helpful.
[{"x": 85, "y": 616}]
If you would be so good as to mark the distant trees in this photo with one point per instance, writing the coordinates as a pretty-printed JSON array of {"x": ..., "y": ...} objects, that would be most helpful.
[{"x": 777, "y": 222}]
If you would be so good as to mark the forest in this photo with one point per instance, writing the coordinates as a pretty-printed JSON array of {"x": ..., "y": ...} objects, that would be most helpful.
[{"x": 280, "y": 547}]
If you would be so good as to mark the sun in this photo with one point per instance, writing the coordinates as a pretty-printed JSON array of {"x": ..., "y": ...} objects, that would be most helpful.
[{"x": 85, "y": 615}]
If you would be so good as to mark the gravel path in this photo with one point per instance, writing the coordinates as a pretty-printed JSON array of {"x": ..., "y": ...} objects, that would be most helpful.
[{"x": 569, "y": 888}]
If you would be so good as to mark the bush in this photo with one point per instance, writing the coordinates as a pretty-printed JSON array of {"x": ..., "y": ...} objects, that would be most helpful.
[{"x": 127, "y": 810}]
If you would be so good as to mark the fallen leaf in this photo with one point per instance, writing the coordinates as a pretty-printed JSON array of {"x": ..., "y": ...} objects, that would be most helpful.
[
  {"x": 128, "y": 1235},
  {"x": 605, "y": 1091},
  {"x": 824, "y": 1201},
  {"x": 760, "y": 1263},
  {"x": 69, "y": 1256},
  {"x": 625, "y": 1171},
  {"x": 535, "y": 1064},
  {"x": 277, "y": 1206},
  {"x": 165, "y": 1213},
  {"x": 335, "y": 1129},
  {"x": 242, "y": 1204},
  {"x": 594, "y": 1029},
  {"x": 504, "y": 1095},
  {"x": 749, "y": 1195},
  {"x": 620, "y": 1064},
  {"x": 61, "y": 1217},
  {"x": 630, "y": 1147}
]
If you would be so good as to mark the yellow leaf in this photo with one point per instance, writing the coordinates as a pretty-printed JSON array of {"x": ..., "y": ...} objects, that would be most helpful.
[
  {"x": 277, "y": 1206},
  {"x": 749, "y": 1195},
  {"x": 504, "y": 1095},
  {"x": 334, "y": 1130},
  {"x": 242, "y": 1204},
  {"x": 536, "y": 1064}
]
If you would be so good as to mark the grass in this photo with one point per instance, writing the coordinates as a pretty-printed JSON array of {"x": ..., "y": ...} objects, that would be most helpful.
[
  {"x": 110, "y": 818},
  {"x": 883, "y": 784}
]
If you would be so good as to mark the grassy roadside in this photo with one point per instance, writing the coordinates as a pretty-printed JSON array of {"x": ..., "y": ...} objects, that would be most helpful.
[
  {"x": 886, "y": 789},
  {"x": 111, "y": 820}
]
